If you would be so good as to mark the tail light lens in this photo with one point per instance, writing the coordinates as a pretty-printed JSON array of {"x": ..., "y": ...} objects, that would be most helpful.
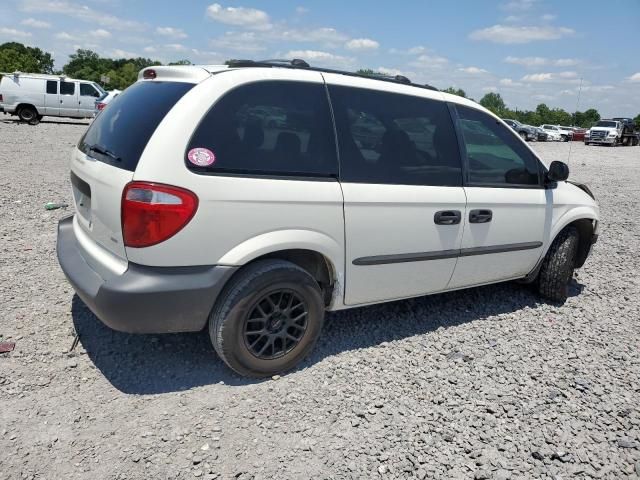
[
  {"x": 0, "y": 97},
  {"x": 101, "y": 106},
  {"x": 153, "y": 212}
]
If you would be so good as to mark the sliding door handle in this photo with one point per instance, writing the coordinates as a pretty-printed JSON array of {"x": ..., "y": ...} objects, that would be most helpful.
[
  {"x": 447, "y": 217},
  {"x": 480, "y": 216}
]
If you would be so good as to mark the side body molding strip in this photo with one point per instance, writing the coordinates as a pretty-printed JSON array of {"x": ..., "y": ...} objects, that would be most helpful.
[{"x": 443, "y": 254}]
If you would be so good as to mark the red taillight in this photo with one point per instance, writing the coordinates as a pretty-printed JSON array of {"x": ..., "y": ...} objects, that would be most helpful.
[
  {"x": 0, "y": 97},
  {"x": 149, "y": 74},
  {"x": 101, "y": 106},
  {"x": 153, "y": 212}
]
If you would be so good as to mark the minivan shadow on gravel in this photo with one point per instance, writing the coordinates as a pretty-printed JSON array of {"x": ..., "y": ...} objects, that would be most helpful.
[{"x": 153, "y": 364}]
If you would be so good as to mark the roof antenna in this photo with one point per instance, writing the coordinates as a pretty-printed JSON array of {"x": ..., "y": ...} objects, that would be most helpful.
[{"x": 577, "y": 106}]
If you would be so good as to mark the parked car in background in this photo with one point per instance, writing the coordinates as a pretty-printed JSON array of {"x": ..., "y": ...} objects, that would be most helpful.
[
  {"x": 526, "y": 132},
  {"x": 204, "y": 218},
  {"x": 102, "y": 102},
  {"x": 541, "y": 134},
  {"x": 30, "y": 96},
  {"x": 554, "y": 133},
  {"x": 566, "y": 133},
  {"x": 578, "y": 134}
]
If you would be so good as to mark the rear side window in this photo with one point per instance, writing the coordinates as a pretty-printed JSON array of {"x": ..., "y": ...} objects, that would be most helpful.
[
  {"x": 67, "y": 88},
  {"x": 495, "y": 155},
  {"x": 268, "y": 128},
  {"x": 388, "y": 138},
  {"x": 52, "y": 87},
  {"x": 120, "y": 133}
]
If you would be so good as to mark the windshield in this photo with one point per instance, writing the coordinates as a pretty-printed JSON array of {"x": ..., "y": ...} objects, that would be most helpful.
[
  {"x": 608, "y": 124},
  {"x": 119, "y": 135}
]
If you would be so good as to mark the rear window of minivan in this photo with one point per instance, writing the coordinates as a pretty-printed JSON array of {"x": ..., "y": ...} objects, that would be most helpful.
[{"x": 121, "y": 131}]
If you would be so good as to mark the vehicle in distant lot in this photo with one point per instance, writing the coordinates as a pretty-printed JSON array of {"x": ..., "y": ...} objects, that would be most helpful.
[
  {"x": 566, "y": 133},
  {"x": 103, "y": 101},
  {"x": 526, "y": 132},
  {"x": 553, "y": 132},
  {"x": 628, "y": 125},
  {"x": 578, "y": 134},
  {"x": 611, "y": 132},
  {"x": 30, "y": 96},
  {"x": 542, "y": 135},
  {"x": 207, "y": 217}
]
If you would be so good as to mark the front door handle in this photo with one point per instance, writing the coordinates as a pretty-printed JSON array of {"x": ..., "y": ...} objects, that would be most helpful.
[
  {"x": 447, "y": 217},
  {"x": 480, "y": 216}
]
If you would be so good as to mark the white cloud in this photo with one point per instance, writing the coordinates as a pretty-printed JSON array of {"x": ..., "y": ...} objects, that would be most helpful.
[
  {"x": 171, "y": 32},
  {"x": 490, "y": 89},
  {"x": 101, "y": 33},
  {"x": 32, "y": 22},
  {"x": 80, "y": 12},
  {"x": 319, "y": 57},
  {"x": 302, "y": 10},
  {"x": 324, "y": 35},
  {"x": 176, "y": 47},
  {"x": 150, "y": 49},
  {"x": 561, "y": 77},
  {"x": 548, "y": 17},
  {"x": 473, "y": 70},
  {"x": 119, "y": 53},
  {"x": 13, "y": 33},
  {"x": 531, "y": 62},
  {"x": 635, "y": 77},
  {"x": 511, "y": 34},
  {"x": 251, "y": 18},
  {"x": 361, "y": 44},
  {"x": 67, "y": 37},
  {"x": 507, "y": 82},
  {"x": 538, "y": 77},
  {"x": 429, "y": 61}
]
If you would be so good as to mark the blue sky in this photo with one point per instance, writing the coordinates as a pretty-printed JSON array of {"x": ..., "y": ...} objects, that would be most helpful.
[{"x": 530, "y": 51}]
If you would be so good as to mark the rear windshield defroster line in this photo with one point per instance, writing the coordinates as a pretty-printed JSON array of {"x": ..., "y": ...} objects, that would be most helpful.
[{"x": 120, "y": 133}]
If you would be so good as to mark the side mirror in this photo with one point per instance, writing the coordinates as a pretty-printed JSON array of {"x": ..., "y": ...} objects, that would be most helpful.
[{"x": 558, "y": 171}]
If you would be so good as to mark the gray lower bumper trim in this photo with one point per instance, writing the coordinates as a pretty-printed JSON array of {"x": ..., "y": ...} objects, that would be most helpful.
[{"x": 143, "y": 299}]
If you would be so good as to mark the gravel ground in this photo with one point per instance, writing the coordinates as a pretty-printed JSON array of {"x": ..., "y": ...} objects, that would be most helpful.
[{"x": 488, "y": 383}]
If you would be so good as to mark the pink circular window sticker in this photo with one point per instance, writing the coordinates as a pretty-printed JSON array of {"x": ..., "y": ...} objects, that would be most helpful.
[{"x": 202, "y": 157}]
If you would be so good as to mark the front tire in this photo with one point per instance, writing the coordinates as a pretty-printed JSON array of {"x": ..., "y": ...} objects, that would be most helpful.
[
  {"x": 558, "y": 266},
  {"x": 267, "y": 319}
]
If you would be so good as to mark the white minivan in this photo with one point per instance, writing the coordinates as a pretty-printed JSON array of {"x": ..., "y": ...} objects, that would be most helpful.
[
  {"x": 251, "y": 198},
  {"x": 31, "y": 96}
]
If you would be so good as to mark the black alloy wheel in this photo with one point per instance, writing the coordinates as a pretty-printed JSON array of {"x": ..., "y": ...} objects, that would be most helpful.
[{"x": 275, "y": 324}]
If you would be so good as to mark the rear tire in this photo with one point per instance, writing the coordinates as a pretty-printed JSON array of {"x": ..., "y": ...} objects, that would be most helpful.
[
  {"x": 267, "y": 319},
  {"x": 29, "y": 115},
  {"x": 558, "y": 266}
]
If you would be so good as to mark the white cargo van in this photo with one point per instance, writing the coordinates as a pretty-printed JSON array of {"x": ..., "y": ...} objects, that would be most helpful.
[{"x": 31, "y": 96}]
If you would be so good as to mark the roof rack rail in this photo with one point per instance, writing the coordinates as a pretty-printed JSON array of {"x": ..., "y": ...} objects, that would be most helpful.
[{"x": 299, "y": 63}]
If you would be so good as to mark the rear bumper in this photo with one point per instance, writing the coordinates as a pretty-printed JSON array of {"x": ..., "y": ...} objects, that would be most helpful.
[{"x": 143, "y": 299}]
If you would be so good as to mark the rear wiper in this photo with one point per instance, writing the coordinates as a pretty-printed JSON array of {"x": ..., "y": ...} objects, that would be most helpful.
[{"x": 103, "y": 151}]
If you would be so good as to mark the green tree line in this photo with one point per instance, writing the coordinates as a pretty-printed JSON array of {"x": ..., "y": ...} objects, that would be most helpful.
[
  {"x": 83, "y": 64},
  {"x": 122, "y": 72}
]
